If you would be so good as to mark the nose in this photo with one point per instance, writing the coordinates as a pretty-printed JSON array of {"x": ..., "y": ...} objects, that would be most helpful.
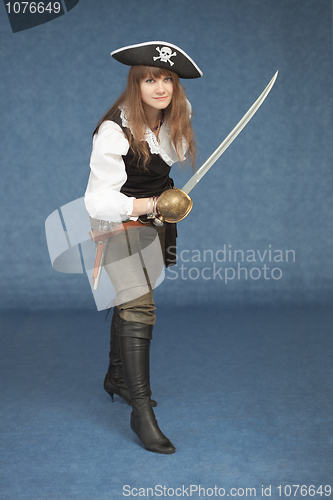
[{"x": 160, "y": 87}]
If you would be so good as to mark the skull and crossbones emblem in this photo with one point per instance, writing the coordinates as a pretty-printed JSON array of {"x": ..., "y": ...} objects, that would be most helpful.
[{"x": 165, "y": 54}]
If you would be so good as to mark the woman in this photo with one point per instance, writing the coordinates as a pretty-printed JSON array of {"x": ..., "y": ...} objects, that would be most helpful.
[{"x": 134, "y": 145}]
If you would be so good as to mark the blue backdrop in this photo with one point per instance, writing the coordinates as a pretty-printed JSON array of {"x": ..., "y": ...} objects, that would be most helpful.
[
  {"x": 245, "y": 393},
  {"x": 268, "y": 197}
]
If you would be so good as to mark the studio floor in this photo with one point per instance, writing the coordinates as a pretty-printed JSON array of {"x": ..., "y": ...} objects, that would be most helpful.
[{"x": 244, "y": 394}]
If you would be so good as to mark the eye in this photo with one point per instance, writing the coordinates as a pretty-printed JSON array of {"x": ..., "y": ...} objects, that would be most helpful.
[
  {"x": 168, "y": 79},
  {"x": 149, "y": 80}
]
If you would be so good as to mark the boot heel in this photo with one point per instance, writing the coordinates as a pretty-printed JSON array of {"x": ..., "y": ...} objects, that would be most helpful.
[
  {"x": 112, "y": 389},
  {"x": 149, "y": 433}
]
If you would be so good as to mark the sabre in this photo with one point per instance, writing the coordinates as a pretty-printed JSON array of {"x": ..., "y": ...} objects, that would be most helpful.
[
  {"x": 193, "y": 181},
  {"x": 175, "y": 204}
]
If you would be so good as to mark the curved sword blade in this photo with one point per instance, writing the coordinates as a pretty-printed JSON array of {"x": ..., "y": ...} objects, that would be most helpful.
[{"x": 193, "y": 181}]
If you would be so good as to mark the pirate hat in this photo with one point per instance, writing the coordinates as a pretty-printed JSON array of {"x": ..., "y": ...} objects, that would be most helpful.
[{"x": 159, "y": 54}]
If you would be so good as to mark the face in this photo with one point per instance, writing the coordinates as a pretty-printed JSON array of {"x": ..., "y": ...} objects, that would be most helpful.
[{"x": 156, "y": 93}]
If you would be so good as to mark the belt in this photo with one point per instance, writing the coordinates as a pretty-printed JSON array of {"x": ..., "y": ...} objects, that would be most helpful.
[{"x": 100, "y": 235}]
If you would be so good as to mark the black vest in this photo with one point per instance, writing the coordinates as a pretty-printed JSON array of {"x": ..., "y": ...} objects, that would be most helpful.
[{"x": 146, "y": 182}]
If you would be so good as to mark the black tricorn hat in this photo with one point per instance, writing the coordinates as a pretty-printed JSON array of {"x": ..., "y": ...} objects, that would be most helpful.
[{"x": 161, "y": 55}]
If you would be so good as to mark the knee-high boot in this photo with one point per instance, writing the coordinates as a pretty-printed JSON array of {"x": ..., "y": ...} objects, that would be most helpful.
[
  {"x": 114, "y": 382},
  {"x": 135, "y": 358}
]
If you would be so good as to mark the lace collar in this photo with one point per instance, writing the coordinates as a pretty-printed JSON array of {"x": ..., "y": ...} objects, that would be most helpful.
[{"x": 164, "y": 149}]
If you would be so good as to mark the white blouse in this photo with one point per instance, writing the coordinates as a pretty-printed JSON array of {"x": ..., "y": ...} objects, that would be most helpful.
[{"x": 103, "y": 199}]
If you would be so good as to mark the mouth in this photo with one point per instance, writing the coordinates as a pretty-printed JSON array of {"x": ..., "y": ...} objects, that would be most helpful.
[{"x": 161, "y": 98}]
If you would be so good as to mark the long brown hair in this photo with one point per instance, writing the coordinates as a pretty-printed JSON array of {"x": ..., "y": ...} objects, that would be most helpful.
[{"x": 177, "y": 114}]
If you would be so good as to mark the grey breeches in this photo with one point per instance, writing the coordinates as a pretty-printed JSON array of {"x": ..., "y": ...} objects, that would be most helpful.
[{"x": 133, "y": 262}]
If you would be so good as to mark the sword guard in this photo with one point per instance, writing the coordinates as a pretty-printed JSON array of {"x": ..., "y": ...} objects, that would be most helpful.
[{"x": 174, "y": 205}]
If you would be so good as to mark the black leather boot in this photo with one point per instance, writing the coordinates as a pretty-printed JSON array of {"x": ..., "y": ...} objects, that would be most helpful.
[
  {"x": 135, "y": 358},
  {"x": 114, "y": 382}
]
